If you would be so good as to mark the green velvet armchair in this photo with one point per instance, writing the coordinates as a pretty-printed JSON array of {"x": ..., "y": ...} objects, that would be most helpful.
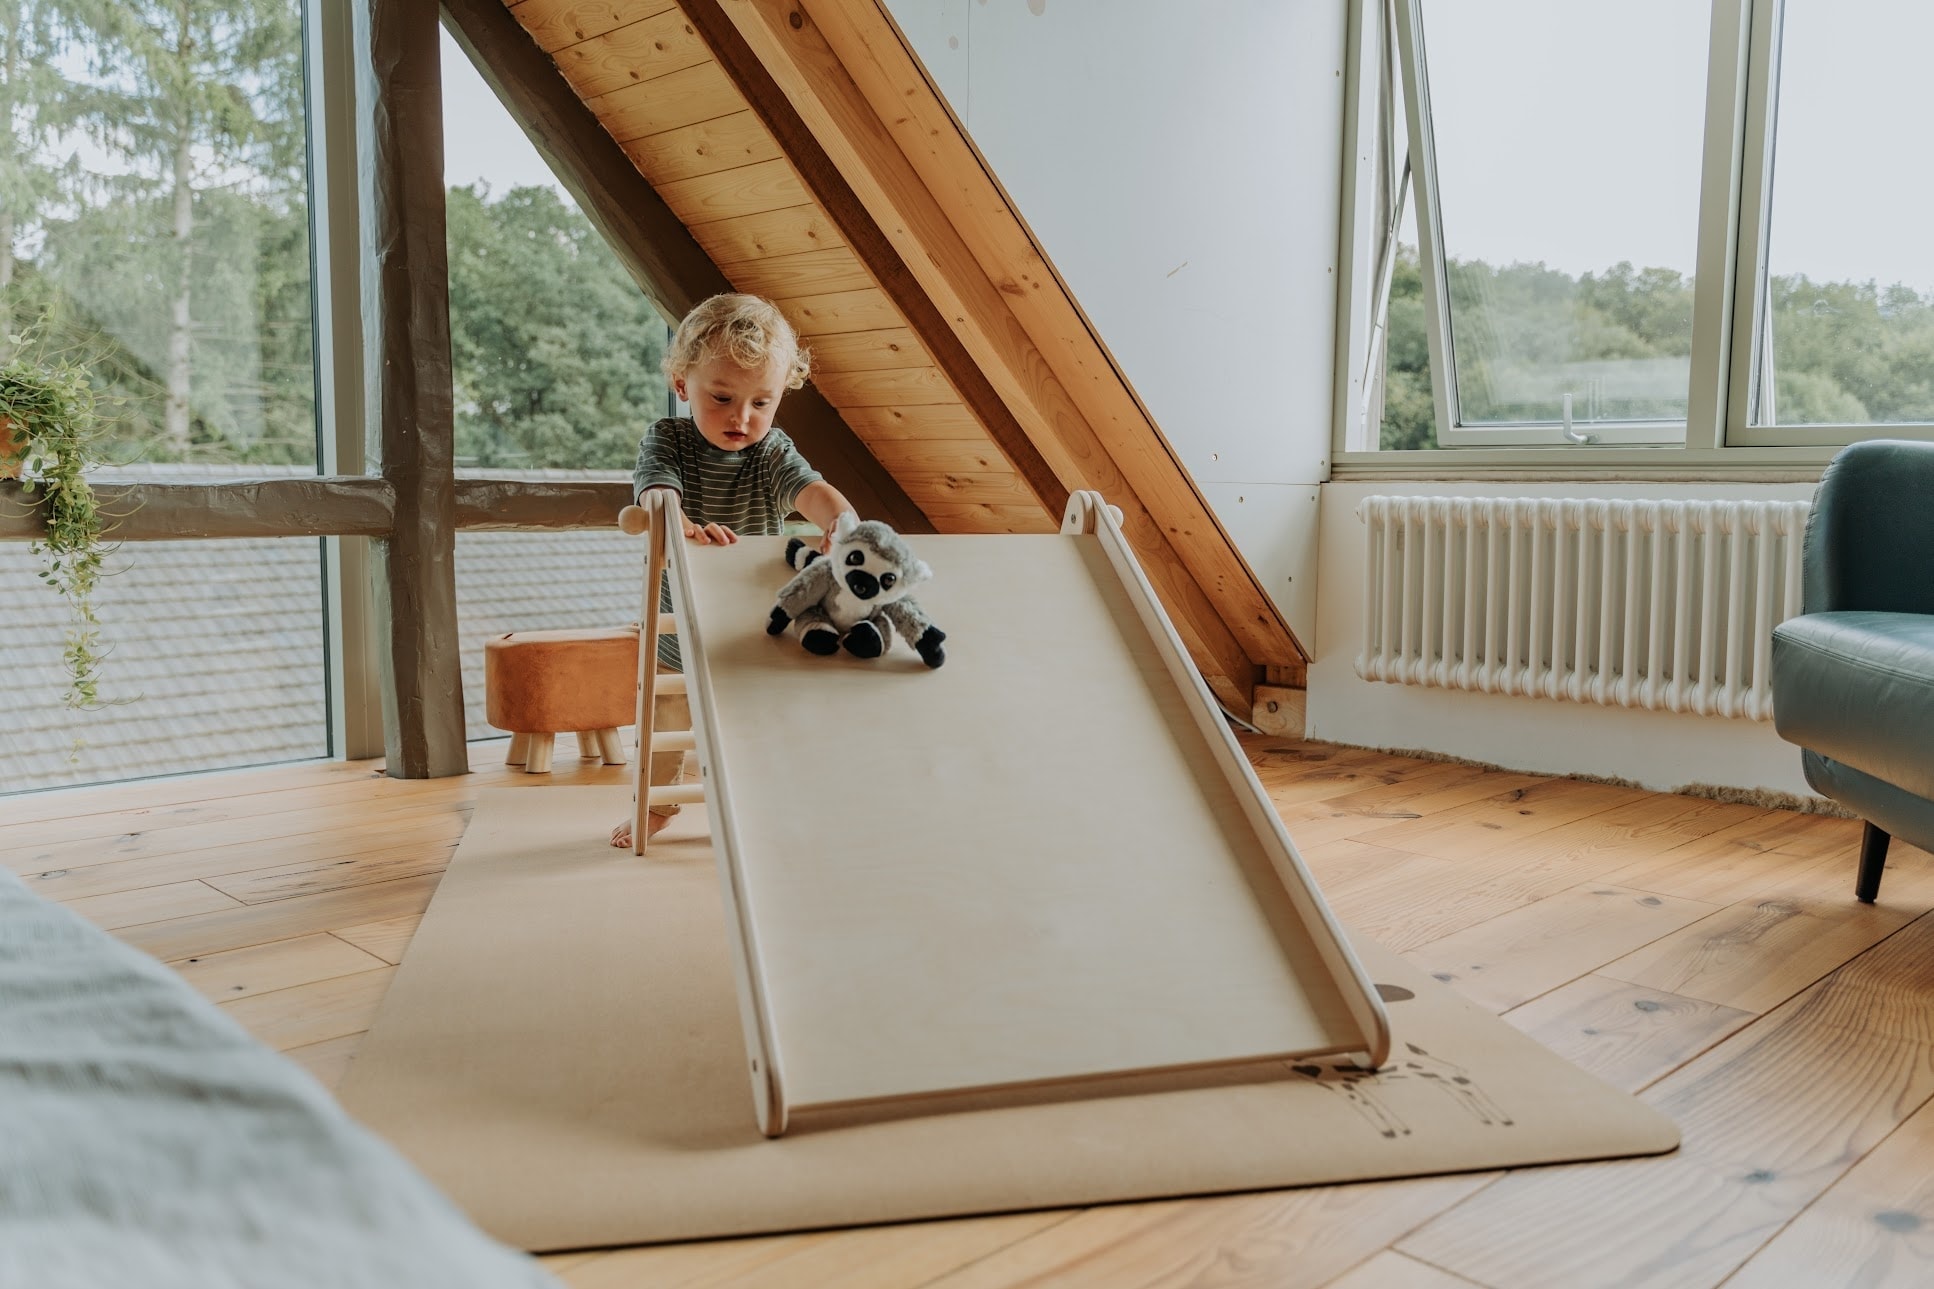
[{"x": 1853, "y": 673}]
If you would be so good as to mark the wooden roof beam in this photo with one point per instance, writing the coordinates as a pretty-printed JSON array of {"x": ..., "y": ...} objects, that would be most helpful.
[
  {"x": 862, "y": 36},
  {"x": 874, "y": 250},
  {"x": 816, "y": 84}
]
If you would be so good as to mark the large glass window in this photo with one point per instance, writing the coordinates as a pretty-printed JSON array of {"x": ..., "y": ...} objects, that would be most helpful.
[
  {"x": 154, "y": 218},
  {"x": 1559, "y": 152},
  {"x": 556, "y": 354},
  {"x": 1846, "y": 299},
  {"x": 215, "y": 660},
  {"x": 154, "y": 228},
  {"x": 1585, "y": 175}
]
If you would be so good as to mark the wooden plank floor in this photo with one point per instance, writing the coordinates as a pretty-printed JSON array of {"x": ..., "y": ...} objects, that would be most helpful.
[{"x": 1707, "y": 956}]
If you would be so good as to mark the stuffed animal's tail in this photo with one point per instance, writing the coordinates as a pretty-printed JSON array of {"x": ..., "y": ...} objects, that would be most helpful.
[{"x": 799, "y": 554}]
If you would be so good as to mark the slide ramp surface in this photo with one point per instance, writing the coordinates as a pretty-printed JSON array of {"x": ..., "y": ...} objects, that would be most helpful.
[{"x": 1044, "y": 863}]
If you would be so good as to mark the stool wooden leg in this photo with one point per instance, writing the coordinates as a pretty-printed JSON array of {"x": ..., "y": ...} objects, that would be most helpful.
[
  {"x": 540, "y": 754},
  {"x": 612, "y": 747},
  {"x": 520, "y": 749},
  {"x": 588, "y": 745}
]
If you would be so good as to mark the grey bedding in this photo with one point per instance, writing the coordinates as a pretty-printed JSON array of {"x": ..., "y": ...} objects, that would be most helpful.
[{"x": 147, "y": 1141}]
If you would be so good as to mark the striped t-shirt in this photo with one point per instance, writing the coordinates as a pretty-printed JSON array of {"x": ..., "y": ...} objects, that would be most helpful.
[{"x": 750, "y": 491}]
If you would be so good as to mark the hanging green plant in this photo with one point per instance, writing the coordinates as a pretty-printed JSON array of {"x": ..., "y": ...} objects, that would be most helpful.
[{"x": 48, "y": 435}]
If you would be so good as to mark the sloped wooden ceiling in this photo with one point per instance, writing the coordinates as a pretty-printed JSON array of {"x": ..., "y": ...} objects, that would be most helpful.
[{"x": 806, "y": 151}]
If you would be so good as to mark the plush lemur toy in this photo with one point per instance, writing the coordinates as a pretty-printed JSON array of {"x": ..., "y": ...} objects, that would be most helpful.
[{"x": 857, "y": 595}]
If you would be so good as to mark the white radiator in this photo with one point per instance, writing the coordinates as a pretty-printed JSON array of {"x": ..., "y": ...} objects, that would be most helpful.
[{"x": 1666, "y": 605}]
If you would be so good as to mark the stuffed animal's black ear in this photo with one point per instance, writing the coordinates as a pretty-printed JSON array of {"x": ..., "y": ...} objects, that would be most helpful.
[{"x": 799, "y": 554}]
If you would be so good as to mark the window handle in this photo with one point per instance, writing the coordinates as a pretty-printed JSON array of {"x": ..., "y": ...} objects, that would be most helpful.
[{"x": 1575, "y": 436}]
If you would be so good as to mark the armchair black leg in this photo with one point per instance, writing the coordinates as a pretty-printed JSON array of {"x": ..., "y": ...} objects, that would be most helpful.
[{"x": 1873, "y": 858}]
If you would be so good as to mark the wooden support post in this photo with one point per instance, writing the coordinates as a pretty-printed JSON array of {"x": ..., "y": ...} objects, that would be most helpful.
[{"x": 410, "y": 413}]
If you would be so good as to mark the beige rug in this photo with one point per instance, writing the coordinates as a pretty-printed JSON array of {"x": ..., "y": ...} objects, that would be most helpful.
[{"x": 561, "y": 1052}]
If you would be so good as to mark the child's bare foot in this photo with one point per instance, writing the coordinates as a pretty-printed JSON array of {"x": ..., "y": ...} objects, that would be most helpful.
[{"x": 654, "y": 824}]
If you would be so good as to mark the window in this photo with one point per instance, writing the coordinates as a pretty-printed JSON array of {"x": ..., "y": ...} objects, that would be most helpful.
[
  {"x": 1654, "y": 223},
  {"x": 154, "y": 227},
  {"x": 556, "y": 356},
  {"x": 1559, "y": 214},
  {"x": 1844, "y": 305}
]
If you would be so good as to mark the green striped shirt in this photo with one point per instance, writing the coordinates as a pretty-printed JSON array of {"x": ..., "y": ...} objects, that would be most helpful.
[{"x": 750, "y": 491}]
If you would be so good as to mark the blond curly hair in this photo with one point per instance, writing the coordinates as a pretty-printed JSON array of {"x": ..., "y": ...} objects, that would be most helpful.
[{"x": 747, "y": 329}]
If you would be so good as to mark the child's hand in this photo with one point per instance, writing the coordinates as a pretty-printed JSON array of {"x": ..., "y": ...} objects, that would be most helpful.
[{"x": 710, "y": 535}]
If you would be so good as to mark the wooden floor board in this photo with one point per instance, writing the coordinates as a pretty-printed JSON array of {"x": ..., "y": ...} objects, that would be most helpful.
[
  {"x": 1874, "y": 1227},
  {"x": 1514, "y": 957},
  {"x": 1625, "y": 1034},
  {"x": 1771, "y": 1118},
  {"x": 1708, "y": 956},
  {"x": 280, "y": 964},
  {"x": 441, "y": 830},
  {"x": 1389, "y": 1270}
]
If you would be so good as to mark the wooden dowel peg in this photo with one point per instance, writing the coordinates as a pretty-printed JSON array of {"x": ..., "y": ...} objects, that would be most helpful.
[
  {"x": 675, "y": 794},
  {"x": 673, "y": 741},
  {"x": 539, "y": 760}
]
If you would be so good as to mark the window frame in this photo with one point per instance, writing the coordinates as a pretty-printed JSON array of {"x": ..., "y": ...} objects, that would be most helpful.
[{"x": 1735, "y": 187}]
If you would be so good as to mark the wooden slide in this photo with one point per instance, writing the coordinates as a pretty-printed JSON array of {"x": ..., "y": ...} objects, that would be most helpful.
[{"x": 1044, "y": 865}]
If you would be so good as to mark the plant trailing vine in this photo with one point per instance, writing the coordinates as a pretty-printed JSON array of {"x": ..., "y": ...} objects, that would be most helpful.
[{"x": 53, "y": 404}]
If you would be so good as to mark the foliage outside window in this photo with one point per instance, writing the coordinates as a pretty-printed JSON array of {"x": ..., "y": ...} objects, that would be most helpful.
[
  {"x": 556, "y": 352},
  {"x": 154, "y": 233},
  {"x": 154, "y": 217},
  {"x": 1558, "y": 155},
  {"x": 1846, "y": 309}
]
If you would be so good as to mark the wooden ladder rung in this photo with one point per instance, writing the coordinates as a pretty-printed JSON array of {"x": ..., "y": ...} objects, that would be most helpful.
[
  {"x": 673, "y": 741},
  {"x": 667, "y": 624},
  {"x": 669, "y": 682},
  {"x": 675, "y": 794}
]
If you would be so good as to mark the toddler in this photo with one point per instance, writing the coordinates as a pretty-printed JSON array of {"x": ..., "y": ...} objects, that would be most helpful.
[{"x": 732, "y": 359}]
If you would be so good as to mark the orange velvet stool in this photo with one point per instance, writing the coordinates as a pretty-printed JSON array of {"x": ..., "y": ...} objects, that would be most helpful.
[{"x": 539, "y": 684}]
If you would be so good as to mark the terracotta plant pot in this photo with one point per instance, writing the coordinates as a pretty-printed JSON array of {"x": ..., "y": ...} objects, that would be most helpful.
[{"x": 13, "y": 448}]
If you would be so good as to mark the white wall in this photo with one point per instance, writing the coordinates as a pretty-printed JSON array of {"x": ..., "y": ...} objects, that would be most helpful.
[{"x": 1180, "y": 165}]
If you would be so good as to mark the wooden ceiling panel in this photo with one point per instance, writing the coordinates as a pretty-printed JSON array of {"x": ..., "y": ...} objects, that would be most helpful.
[
  {"x": 638, "y": 51},
  {"x": 871, "y": 350},
  {"x": 775, "y": 232},
  {"x": 708, "y": 147},
  {"x": 784, "y": 277},
  {"x": 555, "y": 24},
  {"x": 879, "y": 425},
  {"x": 942, "y": 456},
  {"x": 840, "y": 311},
  {"x": 1003, "y": 489},
  {"x": 666, "y": 102},
  {"x": 729, "y": 194},
  {"x": 886, "y": 387},
  {"x": 972, "y": 517}
]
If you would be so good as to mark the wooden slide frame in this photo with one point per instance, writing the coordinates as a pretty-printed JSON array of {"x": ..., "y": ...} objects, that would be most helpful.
[{"x": 1094, "y": 885}]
